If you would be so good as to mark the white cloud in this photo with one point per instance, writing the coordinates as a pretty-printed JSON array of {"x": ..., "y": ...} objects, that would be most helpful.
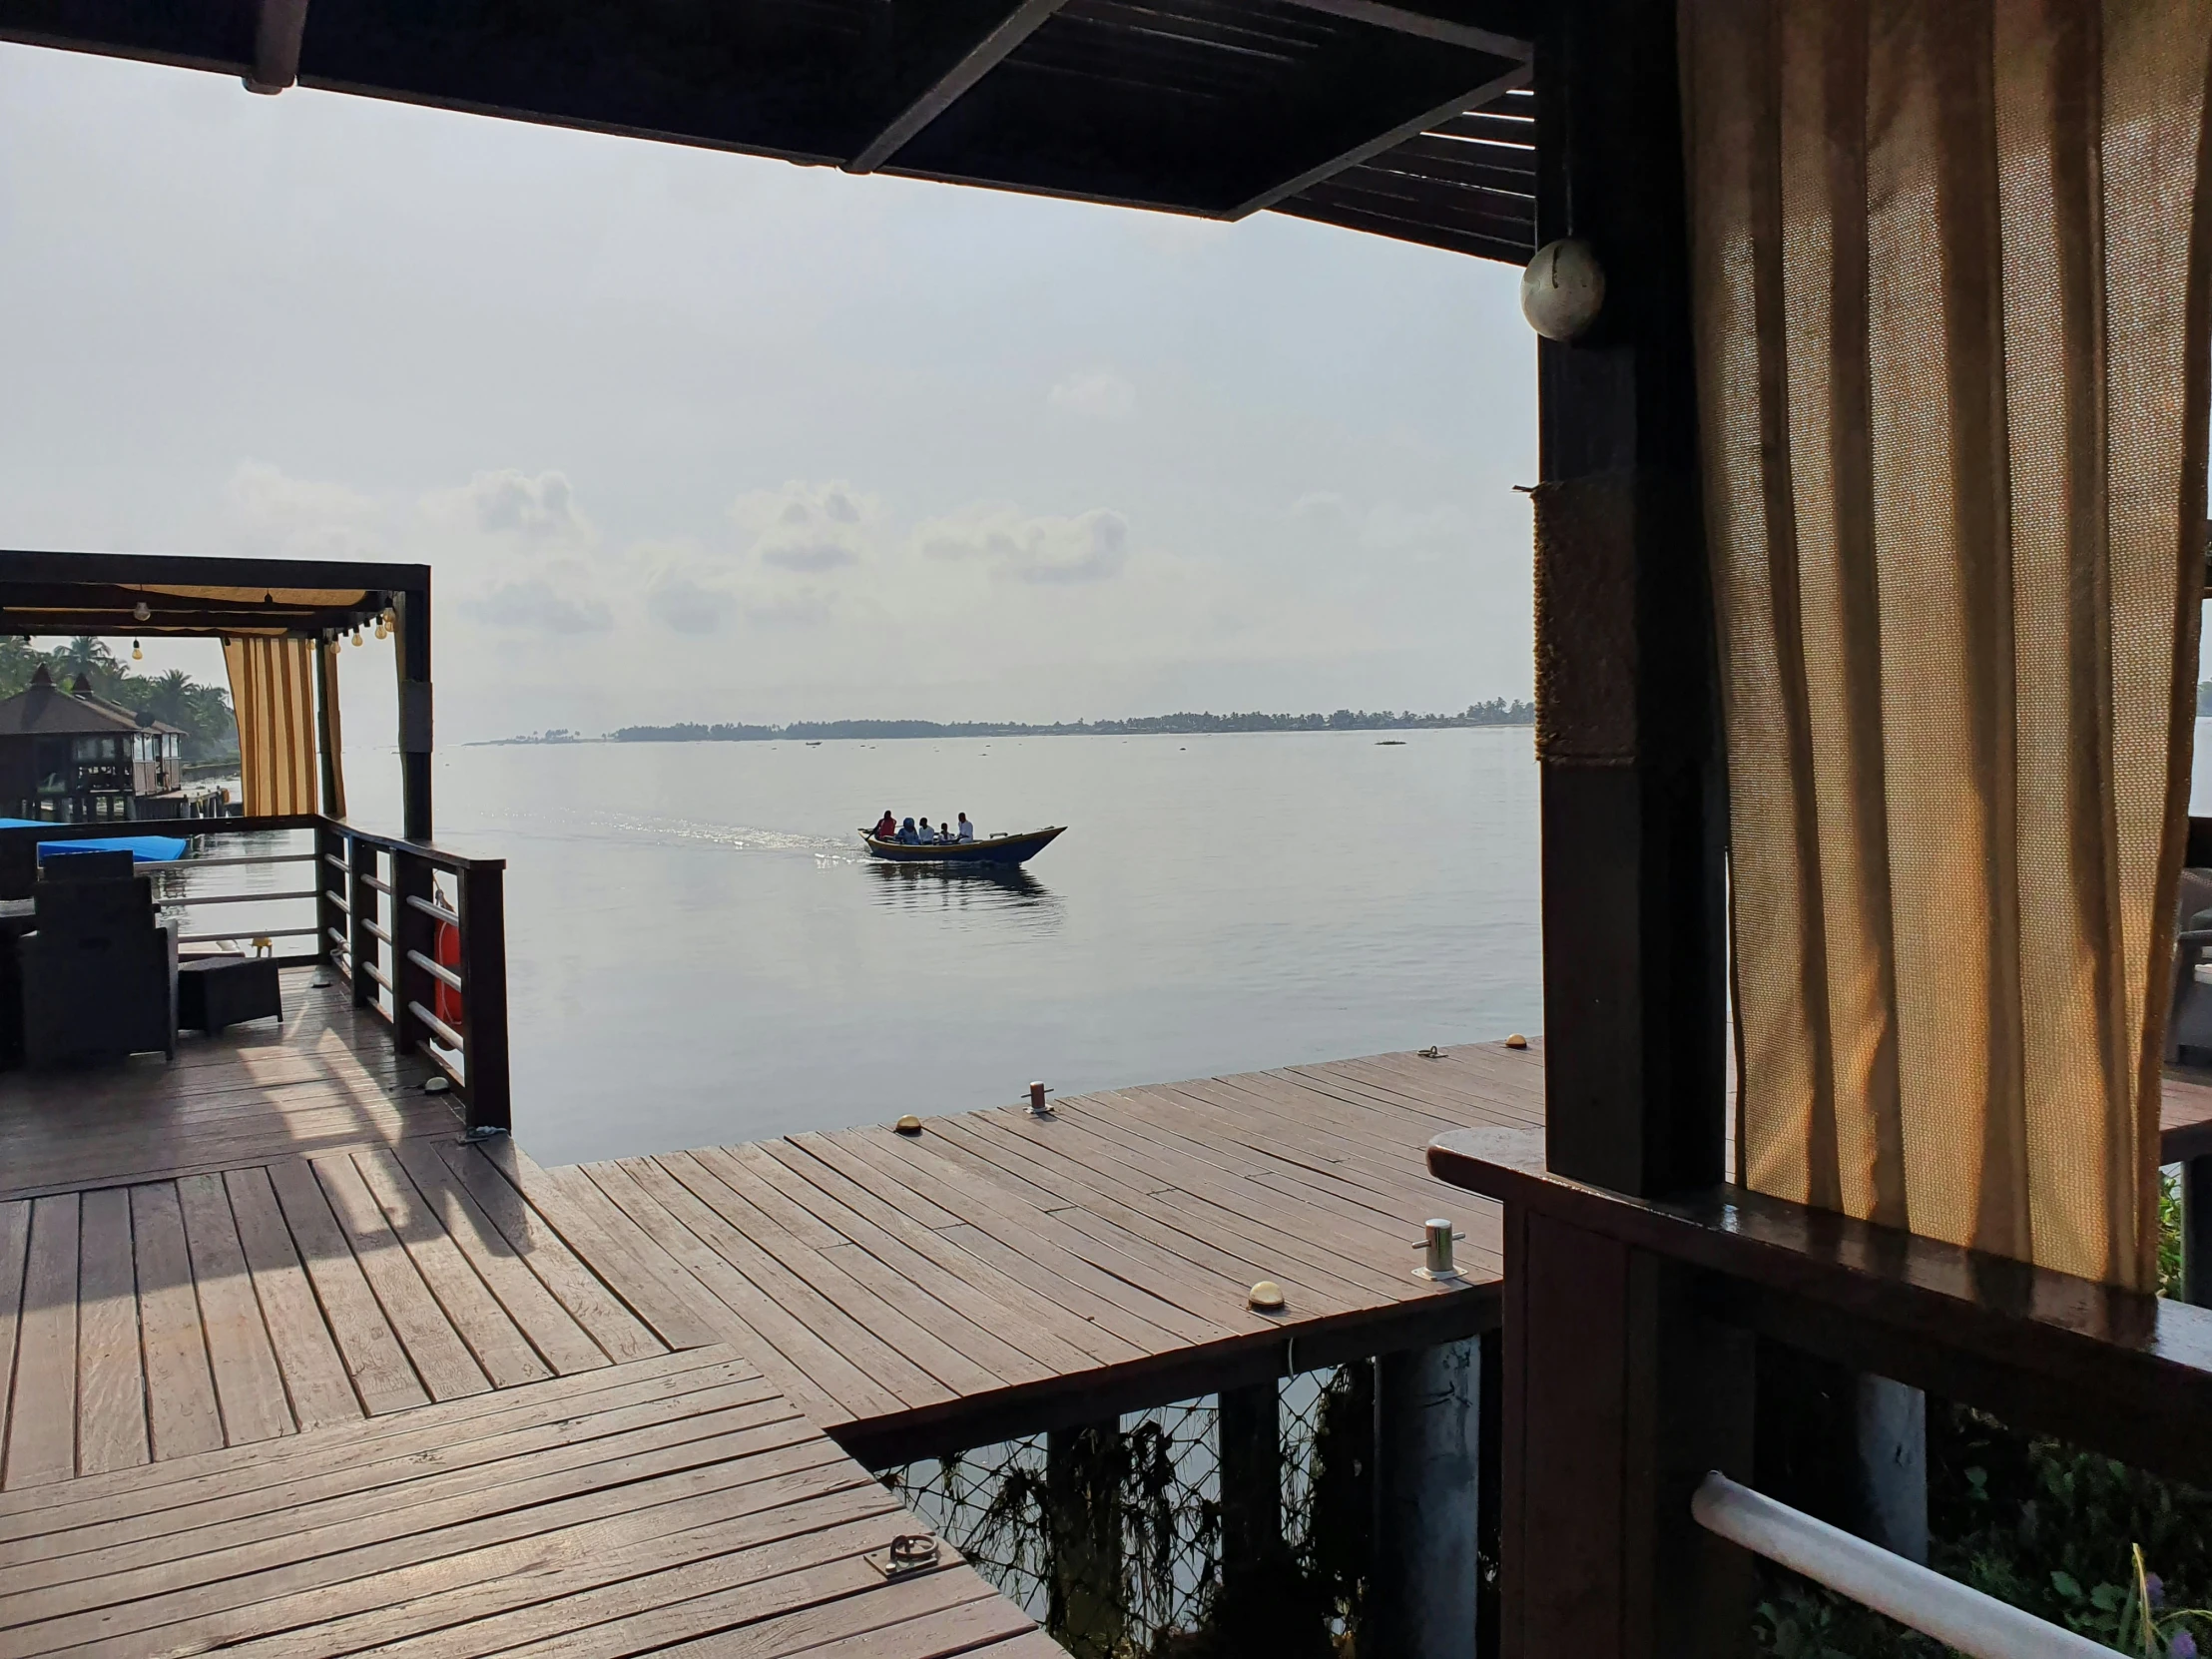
[
  {"x": 536, "y": 605},
  {"x": 807, "y": 528},
  {"x": 685, "y": 605},
  {"x": 271, "y": 514},
  {"x": 1099, "y": 395},
  {"x": 1086, "y": 548},
  {"x": 530, "y": 508}
]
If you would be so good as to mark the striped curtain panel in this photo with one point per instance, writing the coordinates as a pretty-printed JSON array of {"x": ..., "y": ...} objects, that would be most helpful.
[
  {"x": 272, "y": 691},
  {"x": 1950, "y": 281}
]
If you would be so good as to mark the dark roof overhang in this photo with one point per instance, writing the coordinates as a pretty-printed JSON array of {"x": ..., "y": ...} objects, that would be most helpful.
[
  {"x": 68, "y": 593},
  {"x": 1407, "y": 118}
]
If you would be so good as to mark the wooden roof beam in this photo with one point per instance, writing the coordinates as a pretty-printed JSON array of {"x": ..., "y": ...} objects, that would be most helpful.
[
  {"x": 278, "y": 28},
  {"x": 1521, "y": 74},
  {"x": 1407, "y": 21},
  {"x": 1013, "y": 27}
]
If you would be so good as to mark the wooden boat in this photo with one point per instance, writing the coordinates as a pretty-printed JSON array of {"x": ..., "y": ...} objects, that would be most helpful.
[{"x": 990, "y": 850}]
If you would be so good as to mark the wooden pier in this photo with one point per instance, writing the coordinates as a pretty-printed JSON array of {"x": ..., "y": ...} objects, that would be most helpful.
[{"x": 291, "y": 1367}]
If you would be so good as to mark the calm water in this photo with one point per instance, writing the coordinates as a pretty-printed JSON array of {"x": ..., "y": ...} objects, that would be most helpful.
[{"x": 698, "y": 952}]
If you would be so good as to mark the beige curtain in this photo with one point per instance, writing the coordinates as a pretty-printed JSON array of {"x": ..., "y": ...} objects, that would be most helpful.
[
  {"x": 272, "y": 691},
  {"x": 1950, "y": 279}
]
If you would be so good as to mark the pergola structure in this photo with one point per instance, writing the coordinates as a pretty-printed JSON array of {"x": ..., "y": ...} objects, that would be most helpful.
[{"x": 158, "y": 596}]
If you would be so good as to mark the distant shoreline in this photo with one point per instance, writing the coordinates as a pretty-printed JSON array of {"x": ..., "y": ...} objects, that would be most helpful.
[{"x": 1497, "y": 711}]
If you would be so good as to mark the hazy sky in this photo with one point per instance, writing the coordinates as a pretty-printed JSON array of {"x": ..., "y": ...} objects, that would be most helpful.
[{"x": 689, "y": 435}]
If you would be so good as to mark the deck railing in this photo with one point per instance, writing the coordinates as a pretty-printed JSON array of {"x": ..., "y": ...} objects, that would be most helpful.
[{"x": 371, "y": 907}]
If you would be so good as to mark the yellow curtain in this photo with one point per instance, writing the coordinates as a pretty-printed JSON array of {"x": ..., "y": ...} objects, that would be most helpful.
[
  {"x": 272, "y": 691},
  {"x": 1949, "y": 270}
]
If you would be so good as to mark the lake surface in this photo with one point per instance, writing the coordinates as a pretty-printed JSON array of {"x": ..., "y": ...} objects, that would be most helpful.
[{"x": 700, "y": 953}]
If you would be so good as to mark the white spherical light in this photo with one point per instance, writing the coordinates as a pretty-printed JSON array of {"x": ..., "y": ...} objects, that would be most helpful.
[{"x": 1563, "y": 290}]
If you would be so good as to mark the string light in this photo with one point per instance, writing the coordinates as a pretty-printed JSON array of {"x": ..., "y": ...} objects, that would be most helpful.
[
  {"x": 357, "y": 636},
  {"x": 136, "y": 655},
  {"x": 379, "y": 625}
]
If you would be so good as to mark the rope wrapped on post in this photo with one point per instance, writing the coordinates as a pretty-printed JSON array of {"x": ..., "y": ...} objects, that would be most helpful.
[{"x": 1956, "y": 1614}]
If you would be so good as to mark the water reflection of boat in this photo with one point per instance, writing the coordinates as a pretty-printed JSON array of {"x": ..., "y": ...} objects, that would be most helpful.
[
  {"x": 992, "y": 850},
  {"x": 995, "y": 885}
]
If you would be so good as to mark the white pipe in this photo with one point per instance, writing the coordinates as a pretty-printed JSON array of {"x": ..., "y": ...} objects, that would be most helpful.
[{"x": 1954, "y": 1613}]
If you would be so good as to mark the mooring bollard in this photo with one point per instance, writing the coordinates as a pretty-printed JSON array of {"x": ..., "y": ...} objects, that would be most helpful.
[
  {"x": 1038, "y": 1092},
  {"x": 1437, "y": 1243}
]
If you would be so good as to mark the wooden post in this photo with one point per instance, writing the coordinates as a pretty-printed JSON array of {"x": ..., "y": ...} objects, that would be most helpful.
[
  {"x": 332, "y": 883},
  {"x": 1618, "y": 1397},
  {"x": 2196, "y": 1231},
  {"x": 483, "y": 913},
  {"x": 361, "y": 860},
  {"x": 1083, "y": 1525},
  {"x": 413, "y": 659},
  {"x": 1428, "y": 1498},
  {"x": 325, "y": 748},
  {"x": 1253, "y": 1560},
  {"x": 410, "y": 931}
]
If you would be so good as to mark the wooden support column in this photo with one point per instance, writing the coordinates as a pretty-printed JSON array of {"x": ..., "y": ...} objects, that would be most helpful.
[
  {"x": 362, "y": 863},
  {"x": 1255, "y": 1563},
  {"x": 1082, "y": 1482},
  {"x": 334, "y": 883},
  {"x": 1428, "y": 1497},
  {"x": 482, "y": 905},
  {"x": 2196, "y": 1231},
  {"x": 1628, "y": 735},
  {"x": 413, "y": 658},
  {"x": 1618, "y": 1395}
]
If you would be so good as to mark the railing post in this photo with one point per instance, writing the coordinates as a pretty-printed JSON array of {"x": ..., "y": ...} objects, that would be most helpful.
[
  {"x": 483, "y": 906},
  {"x": 410, "y": 931},
  {"x": 360, "y": 862},
  {"x": 331, "y": 884}
]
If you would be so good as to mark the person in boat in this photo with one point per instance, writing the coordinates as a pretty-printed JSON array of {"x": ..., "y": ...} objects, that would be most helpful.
[
  {"x": 926, "y": 834},
  {"x": 944, "y": 831},
  {"x": 886, "y": 826},
  {"x": 908, "y": 835},
  {"x": 967, "y": 830}
]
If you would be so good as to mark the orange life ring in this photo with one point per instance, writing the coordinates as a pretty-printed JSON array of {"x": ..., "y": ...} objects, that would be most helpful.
[{"x": 447, "y": 1004}]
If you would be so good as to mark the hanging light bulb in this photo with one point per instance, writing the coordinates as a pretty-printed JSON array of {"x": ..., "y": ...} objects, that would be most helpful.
[
  {"x": 357, "y": 636},
  {"x": 380, "y": 627},
  {"x": 136, "y": 655}
]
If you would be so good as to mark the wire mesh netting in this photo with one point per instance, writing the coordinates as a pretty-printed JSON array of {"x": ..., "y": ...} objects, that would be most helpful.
[{"x": 1120, "y": 1538}]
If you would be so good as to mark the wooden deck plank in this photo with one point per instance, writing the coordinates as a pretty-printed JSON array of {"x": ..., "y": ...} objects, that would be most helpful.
[
  {"x": 15, "y": 1251},
  {"x": 111, "y": 1375},
  {"x": 181, "y": 1410},
  {"x": 439, "y": 1356},
  {"x": 375, "y": 1360},
  {"x": 497, "y": 1344},
  {"x": 687, "y": 1227},
  {"x": 317, "y": 1389},
  {"x": 248, "y": 1385},
  {"x": 42, "y": 1417},
  {"x": 178, "y": 1484},
  {"x": 552, "y": 1331},
  {"x": 537, "y": 1242},
  {"x": 883, "y": 1304}
]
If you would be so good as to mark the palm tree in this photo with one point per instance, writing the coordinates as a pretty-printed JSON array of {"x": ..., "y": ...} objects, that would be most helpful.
[
  {"x": 88, "y": 655},
  {"x": 170, "y": 699}
]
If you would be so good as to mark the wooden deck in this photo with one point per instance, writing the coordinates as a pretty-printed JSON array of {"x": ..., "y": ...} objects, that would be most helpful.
[
  {"x": 999, "y": 1273},
  {"x": 288, "y": 1367}
]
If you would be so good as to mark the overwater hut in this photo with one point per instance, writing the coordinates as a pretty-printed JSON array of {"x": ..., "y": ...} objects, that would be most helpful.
[
  {"x": 72, "y": 757},
  {"x": 1868, "y": 558}
]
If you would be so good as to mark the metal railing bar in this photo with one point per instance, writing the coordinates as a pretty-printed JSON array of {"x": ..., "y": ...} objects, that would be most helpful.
[
  {"x": 250, "y": 933},
  {"x": 436, "y": 970},
  {"x": 337, "y": 935},
  {"x": 375, "y": 931},
  {"x": 376, "y": 974},
  {"x": 338, "y": 862},
  {"x": 232, "y": 863},
  {"x": 233, "y": 898},
  {"x": 444, "y": 1032},
  {"x": 1954, "y": 1613},
  {"x": 377, "y": 883},
  {"x": 431, "y": 907},
  {"x": 456, "y": 1074},
  {"x": 339, "y": 899}
]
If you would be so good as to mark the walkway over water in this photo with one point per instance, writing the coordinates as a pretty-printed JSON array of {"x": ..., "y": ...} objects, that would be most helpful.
[{"x": 289, "y": 1366}]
